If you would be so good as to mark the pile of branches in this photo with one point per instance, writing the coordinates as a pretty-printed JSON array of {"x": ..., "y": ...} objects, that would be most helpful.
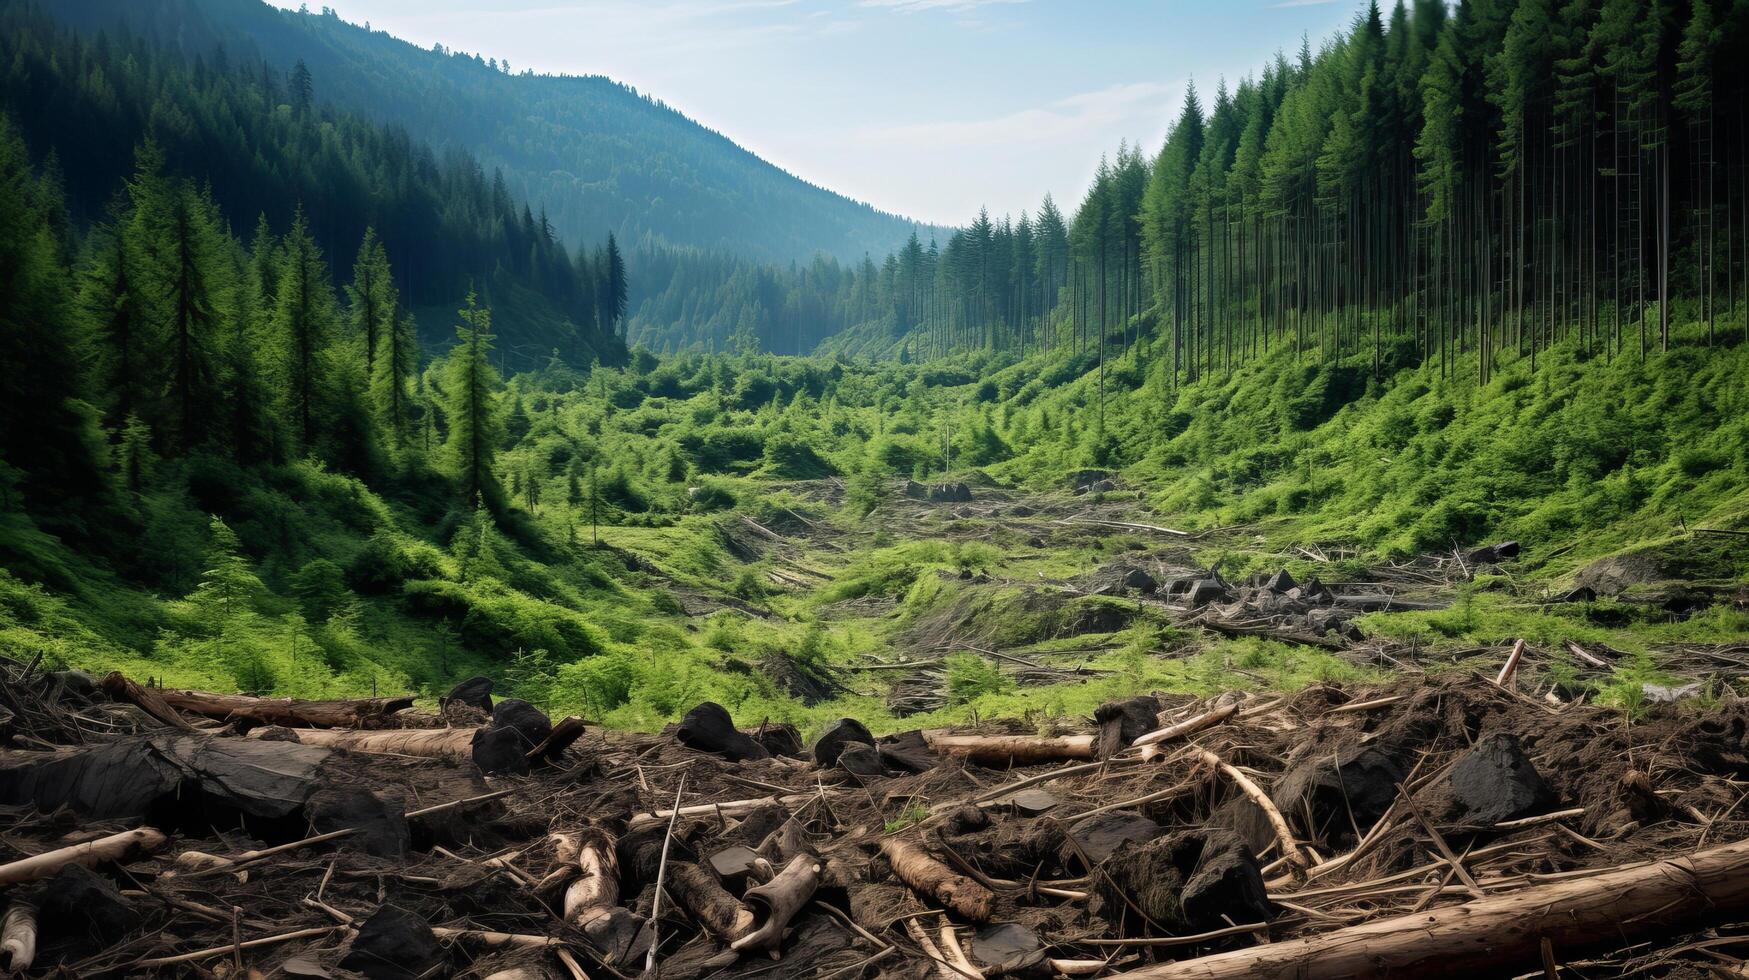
[{"x": 1451, "y": 827}]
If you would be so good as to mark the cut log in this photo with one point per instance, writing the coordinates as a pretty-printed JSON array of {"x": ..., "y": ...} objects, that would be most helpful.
[
  {"x": 777, "y": 901},
  {"x": 1012, "y": 750},
  {"x": 289, "y": 712},
  {"x": 18, "y": 938},
  {"x": 494, "y": 750},
  {"x": 707, "y": 901},
  {"x": 927, "y": 876},
  {"x": 1502, "y": 934},
  {"x": 115, "y": 847},
  {"x": 146, "y": 699}
]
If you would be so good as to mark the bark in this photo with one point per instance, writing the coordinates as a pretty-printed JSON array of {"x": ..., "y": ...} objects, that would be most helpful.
[
  {"x": 927, "y": 876},
  {"x": 1503, "y": 933},
  {"x": 290, "y": 712},
  {"x": 18, "y": 938},
  {"x": 1012, "y": 750},
  {"x": 115, "y": 847},
  {"x": 777, "y": 901},
  {"x": 568, "y": 730},
  {"x": 707, "y": 901},
  {"x": 430, "y": 743},
  {"x": 146, "y": 699},
  {"x": 597, "y": 886}
]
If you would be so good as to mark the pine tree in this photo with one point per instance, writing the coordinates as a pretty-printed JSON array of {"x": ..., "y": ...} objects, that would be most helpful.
[
  {"x": 373, "y": 297},
  {"x": 397, "y": 362},
  {"x": 471, "y": 391}
]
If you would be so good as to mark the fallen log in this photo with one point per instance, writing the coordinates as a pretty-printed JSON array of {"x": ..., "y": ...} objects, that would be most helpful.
[
  {"x": 1502, "y": 933},
  {"x": 1012, "y": 750},
  {"x": 777, "y": 901},
  {"x": 144, "y": 698},
  {"x": 115, "y": 847},
  {"x": 289, "y": 712},
  {"x": 927, "y": 876},
  {"x": 493, "y": 749},
  {"x": 18, "y": 938}
]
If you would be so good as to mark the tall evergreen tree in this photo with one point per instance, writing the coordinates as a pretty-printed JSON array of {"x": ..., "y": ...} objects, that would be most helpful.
[
  {"x": 476, "y": 426},
  {"x": 304, "y": 326}
]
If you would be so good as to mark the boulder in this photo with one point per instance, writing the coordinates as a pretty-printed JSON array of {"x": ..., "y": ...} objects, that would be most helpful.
[
  {"x": 1007, "y": 949},
  {"x": 1493, "y": 554},
  {"x": 950, "y": 493},
  {"x": 1122, "y": 722},
  {"x": 1281, "y": 583},
  {"x": 708, "y": 728},
  {"x": 915, "y": 490},
  {"x": 1189, "y": 882},
  {"x": 832, "y": 741},
  {"x": 1495, "y": 781},
  {"x": 1204, "y": 591},
  {"x": 780, "y": 738},
  {"x": 528, "y": 721},
  {"x": 380, "y": 824},
  {"x": 1331, "y": 794},
  {"x": 394, "y": 944},
  {"x": 475, "y": 692}
]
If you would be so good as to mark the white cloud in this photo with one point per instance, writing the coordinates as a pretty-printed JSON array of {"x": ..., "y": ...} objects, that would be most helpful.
[{"x": 1075, "y": 117}]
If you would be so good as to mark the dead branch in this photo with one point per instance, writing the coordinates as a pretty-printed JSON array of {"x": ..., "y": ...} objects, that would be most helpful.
[
  {"x": 18, "y": 937},
  {"x": 146, "y": 699},
  {"x": 1290, "y": 848},
  {"x": 115, "y": 847}
]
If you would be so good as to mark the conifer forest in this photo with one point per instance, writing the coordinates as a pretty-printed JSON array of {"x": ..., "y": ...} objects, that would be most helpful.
[{"x": 459, "y": 521}]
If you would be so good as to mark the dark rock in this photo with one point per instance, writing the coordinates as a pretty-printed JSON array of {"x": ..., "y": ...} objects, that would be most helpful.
[
  {"x": 1204, "y": 591},
  {"x": 81, "y": 910},
  {"x": 1581, "y": 594},
  {"x": 1080, "y": 480},
  {"x": 950, "y": 493},
  {"x": 1098, "y": 837},
  {"x": 393, "y": 944},
  {"x": 1280, "y": 583},
  {"x": 500, "y": 750},
  {"x": 525, "y": 719},
  {"x": 859, "y": 759},
  {"x": 1337, "y": 793},
  {"x": 781, "y": 738},
  {"x": 843, "y": 732},
  {"x": 915, "y": 490},
  {"x": 1007, "y": 948},
  {"x": 1493, "y": 554},
  {"x": 1138, "y": 581},
  {"x": 908, "y": 752},
  {"x": 708, "y": 728},
  {"x": 1035, "y": 542},
  {"x": 1494, "y": 781},
  {"x": 1189, "y": 882},
  {"x": 475, "y": 692},
  {"x": 1313, "y": 592},
  {"x": 380, "y": 825},
  {"x": 1122, "y": 722}
]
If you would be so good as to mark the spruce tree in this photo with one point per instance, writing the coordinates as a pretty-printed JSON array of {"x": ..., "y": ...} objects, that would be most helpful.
[
  {"x": 303, "y": 326},
  {"x": 470, "y": 386}
]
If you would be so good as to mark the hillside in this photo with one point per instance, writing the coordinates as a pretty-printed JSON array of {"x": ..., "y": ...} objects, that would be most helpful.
[{"x": 597, "y": 155}]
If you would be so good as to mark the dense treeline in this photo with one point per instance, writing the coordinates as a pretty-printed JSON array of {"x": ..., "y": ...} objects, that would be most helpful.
[
  {"x": 266, "y": 143},
  {"x": 1495, "y": 177},
  {"x": 601, "y": 156}
]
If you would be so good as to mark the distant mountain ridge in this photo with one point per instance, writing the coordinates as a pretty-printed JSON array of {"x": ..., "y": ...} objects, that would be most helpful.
[{"x": 596, "y": 154}]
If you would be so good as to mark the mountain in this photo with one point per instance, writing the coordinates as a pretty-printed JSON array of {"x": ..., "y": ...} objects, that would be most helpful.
[{"x": 598, "y": 155}]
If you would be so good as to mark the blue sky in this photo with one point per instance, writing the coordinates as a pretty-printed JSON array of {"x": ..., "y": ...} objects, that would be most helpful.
[{"x": 925, "y": 107}]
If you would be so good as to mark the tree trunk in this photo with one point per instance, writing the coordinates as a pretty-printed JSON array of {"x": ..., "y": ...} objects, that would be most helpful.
[
  {"x": 1502, "y": 933},
  {"x": 115, "y": 847},
  {"x": 289, "y": 712},
  {"x": 1012, "y": 750}
]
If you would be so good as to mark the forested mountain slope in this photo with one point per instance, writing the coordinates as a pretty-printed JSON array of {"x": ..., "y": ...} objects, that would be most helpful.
[
  {"x": 599, "y": 156},
  {"x": 266, "y": 147}
]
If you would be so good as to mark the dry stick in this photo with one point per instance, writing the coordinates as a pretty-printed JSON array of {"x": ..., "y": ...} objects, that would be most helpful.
[
  {"x": 115, "y": 847},
  {"x": 1457, "y": 866},
  {"x": 661, "y": 872},
  {"x": 1488, "y": 935},
  {"x": 1290, "y": 848},
  {"x": 1189, "y": 726},
  {"x": 943, "y": 968},
  {"x": 1201, "y": 937},
  {"x": 950, "y": 944},
  {"x": 570, "y": 963},
  {"x": 1511, "y": 664},
  {"x": 203, "y": 954},
  {"x": 1045, "y": 777}
]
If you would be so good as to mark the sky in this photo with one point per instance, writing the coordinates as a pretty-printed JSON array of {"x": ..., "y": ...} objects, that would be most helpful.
[{"x": 927, "y": 108}]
